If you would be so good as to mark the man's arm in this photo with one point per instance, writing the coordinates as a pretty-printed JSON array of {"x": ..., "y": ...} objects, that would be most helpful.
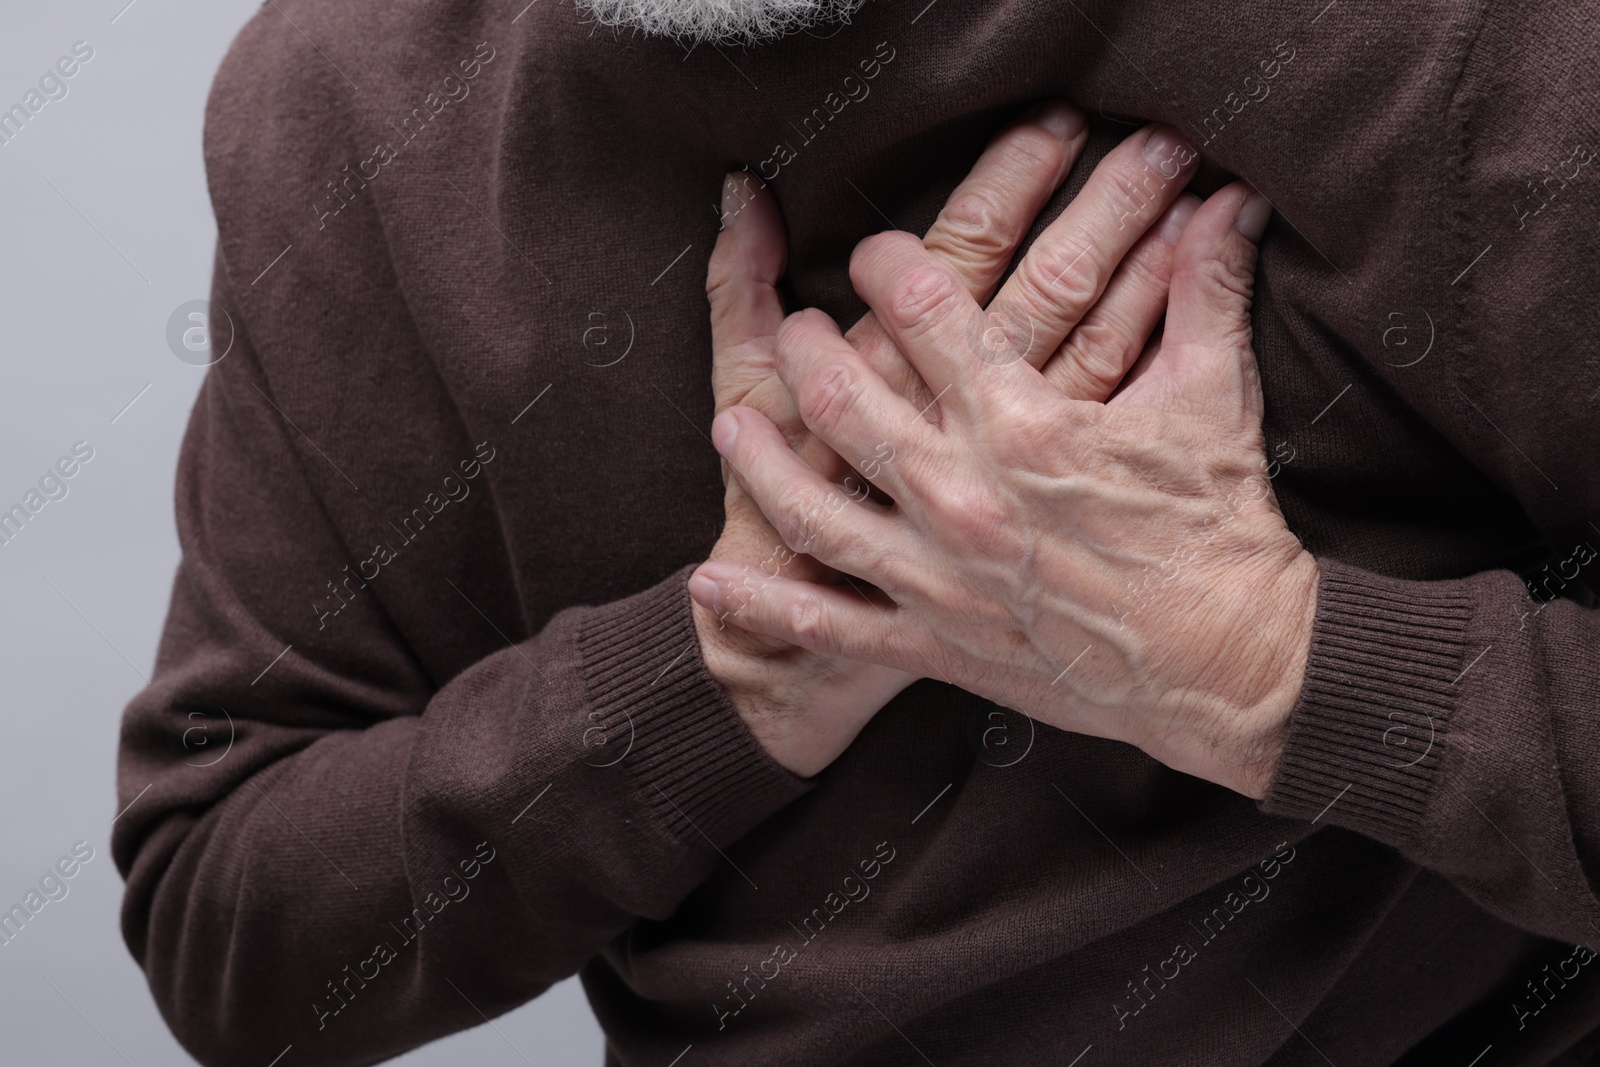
[
  {"x": 363, "y": 840},
  {"x": 318, "y": 838},
  {"x": 352, "y": 833},
  {"x": 1458, "y": 720}
]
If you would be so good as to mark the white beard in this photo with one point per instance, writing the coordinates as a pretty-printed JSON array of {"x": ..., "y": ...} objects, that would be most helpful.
[{"x": 746, "y": 21}]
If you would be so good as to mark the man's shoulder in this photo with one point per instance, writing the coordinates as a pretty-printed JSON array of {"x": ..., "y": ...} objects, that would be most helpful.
[
  {"x": 315, "y": 97},
  {"x": 307, "y": 76}
]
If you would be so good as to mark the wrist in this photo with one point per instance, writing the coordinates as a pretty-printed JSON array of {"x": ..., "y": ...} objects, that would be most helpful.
[
  {"x": 738, "y": 661},
  {"x": 803, "y": 708},
  {"x": 1238, "y": 713},
  {"x": 1285, "y": 632}
]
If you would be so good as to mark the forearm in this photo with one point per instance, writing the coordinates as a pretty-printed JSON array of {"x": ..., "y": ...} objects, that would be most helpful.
[
  {"x": 355, "y": 762},
  {"x": 1454, "y": 721},
  {"x": 338, "y": 880}
]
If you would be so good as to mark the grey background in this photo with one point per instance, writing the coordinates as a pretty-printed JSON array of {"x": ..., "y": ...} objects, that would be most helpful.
[{"x": 90, "y": 270}]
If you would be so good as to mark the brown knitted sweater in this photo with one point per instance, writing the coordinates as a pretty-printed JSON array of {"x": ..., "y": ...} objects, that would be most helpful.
[{"x": 437, "y": 503}]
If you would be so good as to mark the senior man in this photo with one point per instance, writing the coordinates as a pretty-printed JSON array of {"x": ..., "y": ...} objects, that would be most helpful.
[{"x": 1077, "y": 670}]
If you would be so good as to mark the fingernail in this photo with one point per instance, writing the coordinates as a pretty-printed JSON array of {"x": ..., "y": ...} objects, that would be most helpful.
[
  {"x": 1061, "y": 119},
  {"x": 1253, "y": 216},
  {"x": 724, "y": 430},
  {"x": 1178, "y": 216},
  {"x": 1168, "y": 151},
  {"x": 706, "y": 593}
]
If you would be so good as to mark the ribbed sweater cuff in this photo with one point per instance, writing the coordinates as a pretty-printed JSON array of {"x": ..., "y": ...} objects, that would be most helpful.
[
  {"x": 1367, "y": 736},
  {"x": 695, "y": 763}
]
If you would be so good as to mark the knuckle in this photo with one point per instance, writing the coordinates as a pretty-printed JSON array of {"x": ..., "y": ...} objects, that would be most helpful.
[
  {"x": 1233, "y": 270},
  {"x": 1096, "y": 354},
  {"x": 826, "y": 397},
  {"x": 800, "y": 515},
  {"x": 1066, "y": 279},
  {"x": 919, "y": 297},
  {"x": 972, "y": 229},
  {"x": 971, "y": 514},
  {"x": 1227, "y": 283},
  {"x": 804, "y": 620},
  {"x": 1230, "y": 267}
]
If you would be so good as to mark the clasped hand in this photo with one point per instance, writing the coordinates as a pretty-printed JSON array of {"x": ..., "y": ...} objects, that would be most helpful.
[{"x": 1101, "y": 551}]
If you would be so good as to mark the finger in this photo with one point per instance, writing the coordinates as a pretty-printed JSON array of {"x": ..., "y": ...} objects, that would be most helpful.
[
  {"x": 1206, "y": 355},
  {"x": 1097, "y": 354},
  {"x": 844, "y": 402},
  {"x": 986, "y": 218},
  {"x": 927, "y": 312},
  {"x": 812, "y": 515},
  {"x": 826, "y": 619},
  {"x": 745, "y": 265},
  {"x": 983, "y": 223},
  {"x": 1068, "y": 267}
]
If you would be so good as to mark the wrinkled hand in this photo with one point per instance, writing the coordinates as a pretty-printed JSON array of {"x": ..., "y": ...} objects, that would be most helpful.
[
  {"x": 1080, "y": 304},
  {"x": 1114, "y": 568}
]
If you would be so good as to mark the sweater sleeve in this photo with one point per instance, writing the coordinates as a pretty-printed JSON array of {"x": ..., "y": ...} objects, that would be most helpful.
[
  {"x": 1456, "y": 720},
  {"x": 325, "y": 850}
]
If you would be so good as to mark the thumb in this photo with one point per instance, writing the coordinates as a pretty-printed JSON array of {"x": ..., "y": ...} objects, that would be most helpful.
[
  {"x": 746, "y": 264},
  {"x": 1207, "y": 340}
]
